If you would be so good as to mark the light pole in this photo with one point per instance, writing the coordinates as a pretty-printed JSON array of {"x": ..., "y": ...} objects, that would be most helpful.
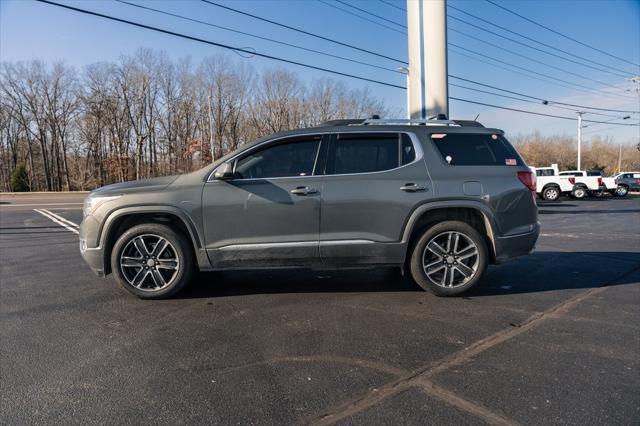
[{"x": 579, "y": 136}]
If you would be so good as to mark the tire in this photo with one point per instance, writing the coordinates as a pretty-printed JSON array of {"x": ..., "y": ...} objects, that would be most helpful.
[
  {"x": 621, "y": 191},
  {"x": 146, "y": 267},
  {"x": 551, "y": 193},
  {"x": 579, "y": 193},
  {"x": 439, "y": 277}
]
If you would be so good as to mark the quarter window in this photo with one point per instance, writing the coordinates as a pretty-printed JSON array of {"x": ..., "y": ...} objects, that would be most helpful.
[
  {"x": 294, "y": 158},
  {"x": 467, "y": 149}
]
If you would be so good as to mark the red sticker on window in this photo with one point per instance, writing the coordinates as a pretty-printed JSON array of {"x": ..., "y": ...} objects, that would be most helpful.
[
  {"x": 494, "y": 137},
  {"x": 438, "y": 135},
  {"x": 510, "y": 162}
]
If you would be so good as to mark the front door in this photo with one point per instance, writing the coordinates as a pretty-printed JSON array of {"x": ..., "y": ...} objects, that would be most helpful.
[{"x": 268, "y": 214}]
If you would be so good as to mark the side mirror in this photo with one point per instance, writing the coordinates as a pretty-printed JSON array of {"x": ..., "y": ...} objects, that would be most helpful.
[{"x": 224, "y": 171}]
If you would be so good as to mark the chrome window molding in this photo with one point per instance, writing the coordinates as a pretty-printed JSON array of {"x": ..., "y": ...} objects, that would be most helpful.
[{"x": 414, "y": 140}]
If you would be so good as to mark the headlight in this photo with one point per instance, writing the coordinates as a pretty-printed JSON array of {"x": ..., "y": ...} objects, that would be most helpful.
[{"x": 92, "y": 203}]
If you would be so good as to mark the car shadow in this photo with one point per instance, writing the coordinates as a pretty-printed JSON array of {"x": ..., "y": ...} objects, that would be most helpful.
[{"x": 539, "y": 272}]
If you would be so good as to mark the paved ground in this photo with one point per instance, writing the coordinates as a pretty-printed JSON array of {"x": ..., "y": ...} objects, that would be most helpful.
[{"x": 550, "y": 338}]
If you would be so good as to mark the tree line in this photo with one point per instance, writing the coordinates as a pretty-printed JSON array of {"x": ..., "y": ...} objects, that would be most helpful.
[{"x": 147, "y": 115}]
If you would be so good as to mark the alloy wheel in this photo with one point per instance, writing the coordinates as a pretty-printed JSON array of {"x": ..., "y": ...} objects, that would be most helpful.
[
  {"x": 450, "y": 259},
  {"x": 149, "y": 262}
]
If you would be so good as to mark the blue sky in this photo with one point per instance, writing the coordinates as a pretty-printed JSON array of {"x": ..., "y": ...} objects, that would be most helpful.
[{"x": 32, "y": 30}]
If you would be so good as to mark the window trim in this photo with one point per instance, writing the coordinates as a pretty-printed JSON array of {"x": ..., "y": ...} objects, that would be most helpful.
[
  {"x": 267, "y": 144},
  {"x": 325, "y": 137},
  {"x": 414, "y": 141}
]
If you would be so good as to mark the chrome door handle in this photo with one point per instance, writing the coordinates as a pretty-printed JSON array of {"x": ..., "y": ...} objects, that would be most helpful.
[
  {"x": 304, "y": 190},
  {"x": 412, "y": 187}
]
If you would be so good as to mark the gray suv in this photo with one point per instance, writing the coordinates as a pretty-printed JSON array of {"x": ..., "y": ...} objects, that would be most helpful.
[{"x": 440, "y": 199}]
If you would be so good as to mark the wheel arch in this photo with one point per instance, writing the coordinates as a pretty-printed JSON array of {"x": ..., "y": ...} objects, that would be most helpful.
[
  {"x": 119, "y": 221},
  {"x": 426, "y": 215}
]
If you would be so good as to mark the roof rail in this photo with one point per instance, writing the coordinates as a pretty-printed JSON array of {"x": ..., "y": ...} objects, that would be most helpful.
[
  {"x": 400, "y": 122},
  {"x": 408, "y": 121}
]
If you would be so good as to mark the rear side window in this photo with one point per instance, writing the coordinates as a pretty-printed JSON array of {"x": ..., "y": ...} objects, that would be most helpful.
[
  {"x": 367, "y": 153},
  {"x": 464, "y": 149},
  {"x": 544, "y": 172}
]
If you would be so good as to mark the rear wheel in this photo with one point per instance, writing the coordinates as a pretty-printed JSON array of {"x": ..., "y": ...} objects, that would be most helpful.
[
  {"x": 621, "y": 191},
  {"x": 152, "y": 261},
  {"x": 579, "y": 193},
  {"x": 551, "y": 193},
  {"x": 449, "y": 258}
]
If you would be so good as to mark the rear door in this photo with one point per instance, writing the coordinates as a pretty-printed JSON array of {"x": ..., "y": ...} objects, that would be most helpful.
[{"x": 372, "y": 182}]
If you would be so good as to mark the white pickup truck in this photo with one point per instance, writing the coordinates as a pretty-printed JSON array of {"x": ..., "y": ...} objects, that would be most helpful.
[
  {"x": 549, "y": 184},
  {"x": 609, "y": 184},
  {"x": 583, "y": 184}
]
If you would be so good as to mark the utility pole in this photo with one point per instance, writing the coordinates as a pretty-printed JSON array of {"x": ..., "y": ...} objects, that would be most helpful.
[
  {"x": 213, "y": 152},
  {"x": 427, "y": 36},
  {"x": 579, "y": 136}
]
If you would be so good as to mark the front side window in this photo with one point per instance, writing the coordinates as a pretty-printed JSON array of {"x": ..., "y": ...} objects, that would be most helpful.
[
  {"x": 367, "y": 153},
  {"x": 286, "y": 159}
]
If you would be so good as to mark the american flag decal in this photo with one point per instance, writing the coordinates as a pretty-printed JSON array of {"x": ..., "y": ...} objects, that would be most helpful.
[{"x": 510, "y": 162}]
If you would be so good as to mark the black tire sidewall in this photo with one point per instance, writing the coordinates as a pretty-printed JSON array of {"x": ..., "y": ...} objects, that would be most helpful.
[
  {"x": 415, "y": 263},
  {"x": 182, "y": 249}
]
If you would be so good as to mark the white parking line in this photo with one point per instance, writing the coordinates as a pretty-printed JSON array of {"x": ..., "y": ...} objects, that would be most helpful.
[
  {"x": 40, "y": 204},
  {"x": 59, "y": 220},
  {"x": 65, "y": 220}
]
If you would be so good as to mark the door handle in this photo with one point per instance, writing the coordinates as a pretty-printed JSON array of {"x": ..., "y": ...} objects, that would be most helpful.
[
  {"x": 412, "y": 187},
  {"x": 304, "y": 190}
]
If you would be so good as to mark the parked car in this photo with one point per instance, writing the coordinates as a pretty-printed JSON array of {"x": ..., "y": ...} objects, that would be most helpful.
[
  {"x": 549, "y": 184},
  {"x": 583, "y": 184},
  {"x": 627, "y": 181},
  {"x": 441, "y": 199}
]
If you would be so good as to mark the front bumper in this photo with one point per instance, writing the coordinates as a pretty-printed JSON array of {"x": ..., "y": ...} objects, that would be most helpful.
[
  {"x": 93, "y": 256},
  {"x": 516, "y": 245}
]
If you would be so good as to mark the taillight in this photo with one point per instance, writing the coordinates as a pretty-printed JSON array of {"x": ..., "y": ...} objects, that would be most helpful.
[
  {"x": 599, "y": 181},
  {"x": 638, "y": 181},
  {"x": 528, "y": 179},
  {"x": 572, "y": 181}
]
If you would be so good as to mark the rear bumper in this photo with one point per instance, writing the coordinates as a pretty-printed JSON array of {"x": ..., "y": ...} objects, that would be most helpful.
[{"x": 516, "y": 245}]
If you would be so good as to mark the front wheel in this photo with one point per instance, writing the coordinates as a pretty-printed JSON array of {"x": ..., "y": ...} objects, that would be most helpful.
[
  {"x": 449, "y": 258},
  {"x": 152, "y": 261},
  {"x": 621, "y": 191}
]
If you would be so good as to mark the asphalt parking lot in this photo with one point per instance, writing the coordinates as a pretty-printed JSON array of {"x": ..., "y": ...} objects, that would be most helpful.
[{"x": 552, "y": 338}]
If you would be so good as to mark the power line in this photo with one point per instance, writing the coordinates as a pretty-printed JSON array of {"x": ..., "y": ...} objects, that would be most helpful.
[
  {"x": 258, "y": 37},
  {"x": 560, "y": 34},
  {"x": 527, "y": 112},
  {"x": 545, "y": 80},
  {"x": 304, "y": 32},
  {"x": 225, "y": 46},
  {"x": 531, "y": 59},
  {"x": 388, "y": 3},
  {"x": 326, "y": 3},
  {"x": 603, "y": 130},
  {"x": 529, "y": 100},
  {"x": 544, "y": 101},
  {"x": 535, "y": 72},
  {"x": 493, "y": 24},
  {"x": 371, "y": 14},
  {"x": 455, "y": 18}
]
